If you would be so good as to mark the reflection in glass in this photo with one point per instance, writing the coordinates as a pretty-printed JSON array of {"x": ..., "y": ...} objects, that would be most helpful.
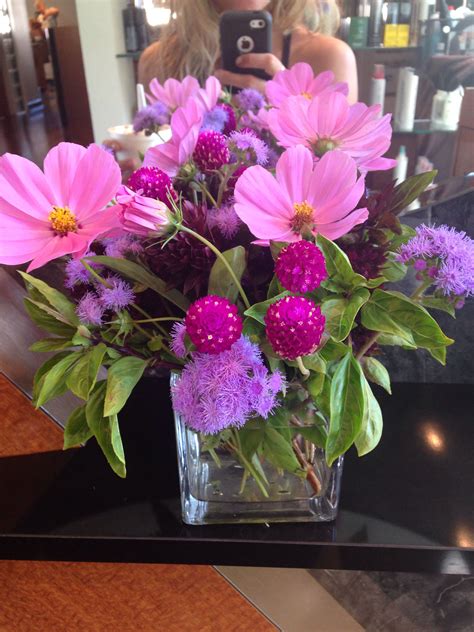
[{"x": 433, "y": 437}]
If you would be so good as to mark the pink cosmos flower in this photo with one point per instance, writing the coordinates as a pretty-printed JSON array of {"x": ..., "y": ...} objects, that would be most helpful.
[
  {"x": 185, "y": 125},
  {"x": 329, "y": 122},
  {"x": 304, "y": 197},
  {"x": 142, "y": 215},
  {"x": 299, "y": 80},
  {"x": 44, "y": 216},
  {"x": 208, "y": 96},
  {"x": 173, "y": 93}
]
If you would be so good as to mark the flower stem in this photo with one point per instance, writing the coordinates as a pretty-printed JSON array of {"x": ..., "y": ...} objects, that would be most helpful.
[
  {"x": 208, "y": 195},
  {"x": 301, "y": 366},
  {"x": 220, "y": 256},
  {"x": 159, "y": 320},
  {"x": 363, "y": 350},
  {"x": 420, "y": 290}
]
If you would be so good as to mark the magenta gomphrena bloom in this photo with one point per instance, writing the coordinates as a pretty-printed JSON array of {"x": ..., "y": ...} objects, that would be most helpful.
[
  {"x": 253, "y": 147},
  {"x": 213, "y": 324},
  {"x": 329, "y": 123},
  {"x": 250, "y": 99},
  {"x": 443, "y": 254},
  {"x": 90, "y": 309},
  {"x": 231, "y": 121},
  {"x": 211, "y": 151},
  {"x": 221, "y": 391},
  {"x": 301, "y": 267},
  {"x": 185, "y": 125},
  {"x": 300, "y": 80},
  {"x": 178, "y": 345},
  {"x": 142, "y": 215},
  {"x": 153, "y": 183},
  {"x": 294, "y": 326},
  {"x": 117, "y": 295},
  {"x": 304, "y": 198},
  {"x": 173, "y": 93},
  {"x": 47, "y": 215}
]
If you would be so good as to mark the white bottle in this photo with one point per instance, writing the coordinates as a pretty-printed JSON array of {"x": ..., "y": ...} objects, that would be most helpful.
[
  {"x": 377, "y": 87},
  {"x": 400, "y": 171},
  {"x": 141, "y": 98},
  {"x": 405, "y": 104}
]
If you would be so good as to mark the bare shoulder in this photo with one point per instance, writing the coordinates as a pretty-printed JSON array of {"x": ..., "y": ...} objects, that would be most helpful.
[{"x": 148, "y": 63}]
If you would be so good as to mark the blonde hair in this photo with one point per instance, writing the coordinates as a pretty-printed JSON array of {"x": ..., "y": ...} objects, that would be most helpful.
[{"x": 190, "y": 44}]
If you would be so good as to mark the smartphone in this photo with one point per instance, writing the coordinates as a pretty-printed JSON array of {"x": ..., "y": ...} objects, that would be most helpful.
[{"x": 245, "y": 32}]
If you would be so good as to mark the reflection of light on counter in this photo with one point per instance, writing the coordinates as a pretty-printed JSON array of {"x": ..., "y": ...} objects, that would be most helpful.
[
  {"x": 464, "y": 536},
  {"x": 433, "y": 437}
]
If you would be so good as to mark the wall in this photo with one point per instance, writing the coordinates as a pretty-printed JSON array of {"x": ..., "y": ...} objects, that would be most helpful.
[{"x": 110, "y": 81}]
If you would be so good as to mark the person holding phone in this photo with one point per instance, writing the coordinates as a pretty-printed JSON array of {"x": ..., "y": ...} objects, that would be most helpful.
[{"x": 302, "y": 31}]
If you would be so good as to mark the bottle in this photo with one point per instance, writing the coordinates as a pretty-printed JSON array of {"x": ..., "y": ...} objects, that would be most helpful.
[
  {"x": 377, "y": 87},
  {"x": 141, "y": 27},
  {"x": 403, "y": 30},
  {"x": 141, "y": 98},
  {"x": 375, "y": 23},
  {"x": 400, "y": 171},
  {"x": 128, "y": 15},
  {"x": 405, "y": 104}
]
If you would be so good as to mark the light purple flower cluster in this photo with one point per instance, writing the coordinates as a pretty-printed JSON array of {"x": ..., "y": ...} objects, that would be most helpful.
[
  {"x": 116, "y": 296},
  {"x": 151, "y": 117},
  {"x": 250, "y": 99},
  {"x": 76, "y": 273},
  {"x": 444, "y": 254},
  {"x": 215, "y": 392},
  {"x": 225, "y": 219},
  {"x": 215, "y": 120},
  {"x": 248, "y": 142},
  {"x": 120, "y": 247}
]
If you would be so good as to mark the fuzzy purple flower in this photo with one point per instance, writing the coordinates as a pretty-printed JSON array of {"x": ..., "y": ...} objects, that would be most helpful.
[
  {"x": 253, "y": 147},
  {"x": 443, "y": 254},
  {"x": 225, "y": 219},
  {"x": 90, "y": 309},
  {"x": 294, "y": 326},
  {"x": 120, "y": 247},
  {"x": 220, "y": 391},
  {"x": 76, "y": 273},
  {"x": 211, "y": 151},
  {"x": 250, "y": 99},
  {"x": 151, "y": 117},
  {"x": 178, "y": 334},
  {"x": 117, "y": 296},
  {"x": 153, "y": 183},
  {"x": 213, "y": 324},
  {"x": 301, "y": 267},
  {"x": 215, "y": 120}
]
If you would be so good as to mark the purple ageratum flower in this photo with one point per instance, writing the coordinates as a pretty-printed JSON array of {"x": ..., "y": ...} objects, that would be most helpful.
[
  {"x": 90, "y": 309},
  {"x": 76, "y": 273},
  {"x": 215, "y": 120},
  {"x": 120, "y": 247},
  {"x": 301, "y": 267},
  {"x": 447, "y": 255},
  {"x": 294, "y": 326},
  {"x": 116, "y": 297},
  {"x": 178, "y": 334},
  {"x": 211, "y": 151},
  {"x": 153, "y": 183},
  {"x": 250, "y": 99},
  {"x": 225, "y": 219},
  {"x": 213, "y": 324},
  {"x": 248, "y": 142},
  {"x": 215, "y": 392},
  {"x": 151, "y": 117}
]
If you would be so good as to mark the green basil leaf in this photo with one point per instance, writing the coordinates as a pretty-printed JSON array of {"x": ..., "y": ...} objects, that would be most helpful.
[
  {"x": 434, "y": 302},
  {"x": 82, "y": 378},
  {"x": 439, "y": 353},
  {"x": 56, "y": 299},
  {"x": 122, "y": 378},
  {"x": 407, "y": 192},
  {"x": 221, "y": 282},
  {"x": 274, "y": 288},
  {"x": 395, "y": 341},
  {"x": 45, "y": 321},
  {"x": 53, "y": 383},
  {"x": 251, "y": 437},
  {"x": 140, "y": 274},
  {"x": 323, "y": 398},
  {"x": 393, "y": 270},
  {"x": 407, "y": 232},
  {"x": 340, "y": 313},
  {"x": 77, "y": 430},
  {"x": 333, "y": 350},
  {"x": 253, "y": 329},
  {"x": 51, "y": 344},
  {"x": 376, "y": 372},
  {"x": 372, "y": 424},
  {"x": 43, "y": 369},
  {"x": 347, "y": 407},
  {"x": 315, "y": 384},
  {"x": 340, "y": 272},
  {"x": 259, "y": 310},
  {"x": 315, "y": 434},
  {"x": 276, "y": 247},
  {"x": 279, "y": 451}
]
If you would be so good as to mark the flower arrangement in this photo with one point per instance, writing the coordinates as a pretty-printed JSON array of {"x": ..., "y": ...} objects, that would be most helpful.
[{"x": 247, "y": 257}]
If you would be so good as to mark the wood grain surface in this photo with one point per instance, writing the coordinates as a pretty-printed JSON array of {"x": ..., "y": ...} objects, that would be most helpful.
[{"x": 73, "y": 597}]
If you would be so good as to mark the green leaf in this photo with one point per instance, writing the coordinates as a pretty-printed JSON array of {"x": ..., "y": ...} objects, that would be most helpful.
[
  {"x": 251, "y": 437},
  {"x": 347, "y": 407},
  {"x": 155, "y": 344},
  {"x": 276, "y": 247},
  {"x": 393, "y": 270},
  {"x": 394, "y": 313},
  {"x": 439, "y": 353},
  {"x": 341, "y": 312},
  {"x": 280, "y": 421},
  {"x": 407, "y": 192},
  {"x": 313, "y": 362},
  {"x": 45, "y": 321},
  {"x": 323, "y": 399},
  {"x": 56, "y": 299},
  {"x": 43, "y": 369},
  {"x": 340, "y": 272},
  {"x": 274, "y": 288},
  {"x": 53, "y": 383},
  {"x": 51, "y": 344},
  {"x": 106, "y": 430},
  {"x": 376, "y": 372},
  {"x": 333, "y": 350},
  {"x": 77, "y": 430},
  {"x": 82, "y": 378},
  {"x": 140, "y": 274},
  {"x": 434, "y": 302},
  {"x": 259, "y": 310},
  {"x": 315, "y": 384},
  {"x": 122, "y": 378},
  {"x": 252, "y": 328},
  {"x": 372, "y": 424},
  {"x": 395, "y": 341},
  {"x": 221, "y": 282},
  {"x": 407, "y": 232},
  {"x": 315, "y": 434},
  {"x": 279, "y": 451}
]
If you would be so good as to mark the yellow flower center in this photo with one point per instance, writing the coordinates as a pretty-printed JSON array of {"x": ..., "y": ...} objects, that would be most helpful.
[
  {"x": 303, "y": 221},
  {"x": 307, "y": 95},
  {"x": 63, "y": 220},
  {"x": 323, "y": 145}
]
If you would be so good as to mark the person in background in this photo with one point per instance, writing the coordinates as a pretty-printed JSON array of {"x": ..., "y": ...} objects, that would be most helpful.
[{"x": 302, "y": 32}]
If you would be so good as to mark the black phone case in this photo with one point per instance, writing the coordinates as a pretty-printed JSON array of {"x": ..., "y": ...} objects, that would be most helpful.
[{"x": 233, "y": 26}]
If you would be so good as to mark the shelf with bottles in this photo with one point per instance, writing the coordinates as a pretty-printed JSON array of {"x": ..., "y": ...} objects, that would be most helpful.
[{"x": 425, "y": 126}]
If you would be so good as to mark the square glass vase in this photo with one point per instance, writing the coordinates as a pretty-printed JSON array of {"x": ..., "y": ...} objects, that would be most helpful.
[{"x": 214, "y": 489}]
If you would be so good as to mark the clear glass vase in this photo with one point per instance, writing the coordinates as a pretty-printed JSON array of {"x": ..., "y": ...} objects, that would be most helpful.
[{"x": 216, "y": 489}]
